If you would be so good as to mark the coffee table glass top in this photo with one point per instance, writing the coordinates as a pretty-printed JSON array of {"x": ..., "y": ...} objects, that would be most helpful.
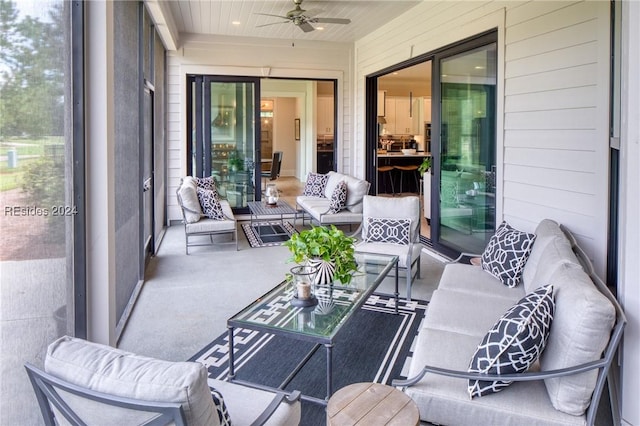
[{"x": 273, "y": 313}]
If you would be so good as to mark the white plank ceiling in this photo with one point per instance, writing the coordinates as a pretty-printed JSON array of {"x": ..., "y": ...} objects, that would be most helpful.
[{"x": 216, "y": 17}]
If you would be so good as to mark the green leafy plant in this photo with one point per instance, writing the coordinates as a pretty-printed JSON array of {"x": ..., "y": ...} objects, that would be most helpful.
[
  {"x": 327, "y": 243},
  {"x": 426, "y": 164},
  {"x": 236, "y": 163}
]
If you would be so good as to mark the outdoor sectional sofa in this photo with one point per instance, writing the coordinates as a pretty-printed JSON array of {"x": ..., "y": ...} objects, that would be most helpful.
[
  {"x": 563, "y": 387},
  {"x": 317, "y": 206}
]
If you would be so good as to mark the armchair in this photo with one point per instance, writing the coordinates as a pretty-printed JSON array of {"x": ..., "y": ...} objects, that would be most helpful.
[
  {"x": 89, "y": 383},
  {"x": 196, "y": 224},
  {"x": 392, "y": 226}
]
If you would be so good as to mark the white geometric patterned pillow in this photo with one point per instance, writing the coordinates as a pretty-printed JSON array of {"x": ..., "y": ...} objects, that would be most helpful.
[
  {"x": 221, "y": 408},
  {"x": 383, "y": 230},
  {"x": 206, "y": 183},
  {"x": 338, "y": 198},
  {"x": 210, "y": 203},
  {"x": 314, "y": 187},
  {"x": 506, "y": 254},
  {"x": 515, "y": 342}
]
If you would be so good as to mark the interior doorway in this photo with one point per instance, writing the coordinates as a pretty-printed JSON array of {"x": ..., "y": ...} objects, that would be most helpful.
[{"x": 439, "y": 141}]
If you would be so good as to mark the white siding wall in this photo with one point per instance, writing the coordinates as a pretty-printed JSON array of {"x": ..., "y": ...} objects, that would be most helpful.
[
  {"x": 553, "y": 102},
  {"x": 250, "y": 57}
]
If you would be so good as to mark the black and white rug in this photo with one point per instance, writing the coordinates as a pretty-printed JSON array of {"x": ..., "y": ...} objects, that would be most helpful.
[
  {"x": 374, "y": 346},
  {"x": 266, "y": 234}
]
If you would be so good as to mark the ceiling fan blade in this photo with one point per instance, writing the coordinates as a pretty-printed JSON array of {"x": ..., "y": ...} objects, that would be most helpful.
[
  {"x": 269, "y": 14},
  {"x": 273, "y": 23},
  {"x": 306, "y": 27},
  {"x": 331, "y": 20}
]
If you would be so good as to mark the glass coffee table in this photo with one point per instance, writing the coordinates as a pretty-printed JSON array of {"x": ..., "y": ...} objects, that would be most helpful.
[{"x": 272, "y": 313}]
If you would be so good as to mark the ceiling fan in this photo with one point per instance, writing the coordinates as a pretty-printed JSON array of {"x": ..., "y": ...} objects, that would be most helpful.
[{"x": 302, "y": 20}]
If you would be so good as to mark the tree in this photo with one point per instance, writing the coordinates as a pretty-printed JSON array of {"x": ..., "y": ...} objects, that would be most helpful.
[{"x": 31, "y": 77}]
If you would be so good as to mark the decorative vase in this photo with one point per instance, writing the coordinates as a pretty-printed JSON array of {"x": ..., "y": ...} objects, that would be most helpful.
[
  {"x": 271, "y": 194},
  {"x": 324, "y": 271},
  {"x": 303, "y": 286}
]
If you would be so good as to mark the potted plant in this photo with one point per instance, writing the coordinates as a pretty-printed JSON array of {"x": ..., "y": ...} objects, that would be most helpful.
[
  {"x": 425, "y": 166},
  {"x": 423, "y": 169},
  {"x": 326, "y": 248}
]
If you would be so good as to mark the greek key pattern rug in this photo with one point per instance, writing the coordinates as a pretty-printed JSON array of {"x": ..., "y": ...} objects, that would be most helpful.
[{"x": 267, "y": 234}]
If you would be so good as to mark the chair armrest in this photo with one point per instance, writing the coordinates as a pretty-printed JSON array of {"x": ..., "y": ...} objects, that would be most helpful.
[
  {"x": 464, "y": 254},
  {"x": 519, "y": 377},
  {"x": 279, "y": 398}
]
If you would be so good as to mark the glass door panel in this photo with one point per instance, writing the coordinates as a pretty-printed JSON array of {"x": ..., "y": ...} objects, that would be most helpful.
[
  {"x": 230, "y": 112},
  {"x": 467, "y": 149}
]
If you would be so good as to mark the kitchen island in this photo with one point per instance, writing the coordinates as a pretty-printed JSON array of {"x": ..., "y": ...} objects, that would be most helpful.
[{"x": 390, "y": 169}]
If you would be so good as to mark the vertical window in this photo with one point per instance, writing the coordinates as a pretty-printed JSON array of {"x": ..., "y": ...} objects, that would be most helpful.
[{"x": 36, "y": 193}]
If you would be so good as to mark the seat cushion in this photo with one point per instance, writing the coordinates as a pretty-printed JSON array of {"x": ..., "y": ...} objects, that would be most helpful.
[
  {"x": 188, "y": 198},
  {"x": 245, "y": 404},
  {"x": 120, "y": 373},
  {"x": 514, "y": 343},
  {"x": 445, "y": 400},
  {"x": 400, "y": 250},
  {"x": 579, "y": 333},
  {"x": 470, "y": 279},
  {"x": 466, "y": 313}
]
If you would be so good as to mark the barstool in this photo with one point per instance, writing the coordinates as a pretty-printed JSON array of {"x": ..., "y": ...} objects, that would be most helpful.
[
  {"x": 413, "y": 169},
  {"x": 386, "y": 171}
]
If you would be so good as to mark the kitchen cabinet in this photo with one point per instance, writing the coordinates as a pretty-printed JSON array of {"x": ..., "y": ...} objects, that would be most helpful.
[
  {"x": 402, "y": 114},
  {"x": 326, "y": 116},
  {"x": 382, "y": 94}
]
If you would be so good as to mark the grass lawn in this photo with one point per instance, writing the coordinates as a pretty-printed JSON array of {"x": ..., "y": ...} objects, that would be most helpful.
[{"x": 28, "y": 150}]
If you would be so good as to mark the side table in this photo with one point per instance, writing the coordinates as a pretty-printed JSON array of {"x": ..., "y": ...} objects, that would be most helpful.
[{"x": 371, "y": 404}]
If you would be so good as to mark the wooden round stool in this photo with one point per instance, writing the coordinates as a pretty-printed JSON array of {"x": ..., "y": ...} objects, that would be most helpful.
[
  {"x": 386, "y": 171},
  {"x": 371, "y": 404},
  {"x": 413, "y": 169}
]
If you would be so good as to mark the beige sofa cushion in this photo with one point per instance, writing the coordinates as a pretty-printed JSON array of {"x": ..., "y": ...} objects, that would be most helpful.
[
  {"x": 356, "y": 189},
  {"x": 116, "y": 372},
  {"x": 579, "y": 333},
  {"x": 189, "y": 196}
]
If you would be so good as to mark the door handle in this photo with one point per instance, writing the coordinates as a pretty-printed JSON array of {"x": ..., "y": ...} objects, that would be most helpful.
[{"x": 146, "y": 185}]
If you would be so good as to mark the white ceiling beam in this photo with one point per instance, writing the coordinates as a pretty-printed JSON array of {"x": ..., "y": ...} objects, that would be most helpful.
[{"x": 164, "y": 22}]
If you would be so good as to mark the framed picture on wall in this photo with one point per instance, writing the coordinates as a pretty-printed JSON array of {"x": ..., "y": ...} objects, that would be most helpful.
[{"x": 296, "y": 128}]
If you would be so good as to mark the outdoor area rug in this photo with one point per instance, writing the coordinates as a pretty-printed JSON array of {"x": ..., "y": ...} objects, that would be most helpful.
[
  {"x": 266, "y": 234},
  {"x": 374, "y": 346}
]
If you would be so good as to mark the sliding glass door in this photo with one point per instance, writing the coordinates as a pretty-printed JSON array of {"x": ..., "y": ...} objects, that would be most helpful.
[
  {"x": 466, "y": 157},
  {"x": 225, "y": 126}
]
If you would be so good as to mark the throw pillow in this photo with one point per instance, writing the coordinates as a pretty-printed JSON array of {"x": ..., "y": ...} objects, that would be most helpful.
[
  {"x": 210, "y": 202},
  {"x": 382, "y": 230},
  {"x": 221, "y": 408},
  {"x": 515, "y": 342},
  {"x": 338, "y": 198},
  {"x": 314, "y": 187},
  {"x": 206, "y": 183},
  {"x": 507, "y": 253}
]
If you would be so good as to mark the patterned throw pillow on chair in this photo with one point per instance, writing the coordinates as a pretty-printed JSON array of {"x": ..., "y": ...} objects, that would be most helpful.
[
  {"x": 314, "y": 187},
  {"x": 506, "y": 254},
  {"x": 210, "y": 203},
  {"x": 221, "y": 408},
  {"x": 383, "y": 230},
  {"x": 338, "y": 198},
  {"x": 206, "y": 183},
  {"x": 515, "y": 342}
]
